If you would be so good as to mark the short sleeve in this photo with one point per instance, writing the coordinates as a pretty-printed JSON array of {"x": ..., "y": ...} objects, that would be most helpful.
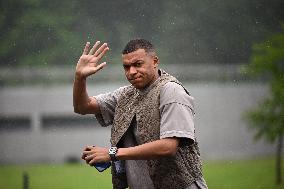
[
  {"x": 107, "y": 103},
  {"x": 177, "y": 112}
]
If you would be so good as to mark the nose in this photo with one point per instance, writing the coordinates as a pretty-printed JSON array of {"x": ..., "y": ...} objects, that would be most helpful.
[{"x": 132, "y": 70}]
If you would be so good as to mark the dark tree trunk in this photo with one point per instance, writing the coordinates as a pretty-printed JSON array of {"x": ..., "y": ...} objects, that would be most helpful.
[{"x": 278, "y": 160}]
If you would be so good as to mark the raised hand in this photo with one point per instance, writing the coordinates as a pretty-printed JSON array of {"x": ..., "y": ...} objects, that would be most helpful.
[{"x": 88, "y": 62}]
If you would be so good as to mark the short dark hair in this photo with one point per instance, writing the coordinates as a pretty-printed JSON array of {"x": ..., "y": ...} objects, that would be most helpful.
[{"x": 135, "y": 44}]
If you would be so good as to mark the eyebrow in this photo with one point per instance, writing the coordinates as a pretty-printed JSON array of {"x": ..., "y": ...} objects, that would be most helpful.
[{"x": 137, "y": 61}]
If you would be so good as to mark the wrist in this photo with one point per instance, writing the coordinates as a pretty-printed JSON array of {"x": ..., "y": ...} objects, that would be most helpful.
[
  {"x": 112, "y": 153},
  {"x": 79, "y": 76}
]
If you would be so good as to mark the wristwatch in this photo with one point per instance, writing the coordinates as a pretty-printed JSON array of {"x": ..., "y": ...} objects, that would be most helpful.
[{"x": 112, "y": 152}]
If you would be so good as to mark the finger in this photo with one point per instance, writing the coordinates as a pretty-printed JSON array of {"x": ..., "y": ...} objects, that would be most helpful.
[
  {"x": 89, "y": 148},
  {"x": 101, "y": 66},
  {"x": 87, "y": 161},
  {"x": 86, "y": 148},
  {"x": 84, "y": 155},
  {"x": 86, "y": 49},
  {"x": 103, "y": 53},
  {"x": 92, "y": 162},
  {"x": 97, "y": 68},
  {"x": 94, "y": 47},
  {"x": 89, "y": 157},
  {"x": 100, "y": 49}
]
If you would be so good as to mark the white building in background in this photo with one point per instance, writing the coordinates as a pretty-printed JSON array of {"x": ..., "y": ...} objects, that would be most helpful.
[{"x": 37, "y": 123}]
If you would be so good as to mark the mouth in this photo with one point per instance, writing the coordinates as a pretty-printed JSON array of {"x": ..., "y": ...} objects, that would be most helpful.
[{"x": 135, "y": 79}]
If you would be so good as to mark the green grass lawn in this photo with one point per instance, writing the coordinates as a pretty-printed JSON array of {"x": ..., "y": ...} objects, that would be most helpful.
[{"x": 245, "y": 174}]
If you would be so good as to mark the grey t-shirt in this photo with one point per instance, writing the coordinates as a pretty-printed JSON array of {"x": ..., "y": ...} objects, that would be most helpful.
[{"x": 177, "y": 112}]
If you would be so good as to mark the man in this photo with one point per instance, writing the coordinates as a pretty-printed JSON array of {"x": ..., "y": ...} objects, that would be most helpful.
[{"x": 153, "y": 141}]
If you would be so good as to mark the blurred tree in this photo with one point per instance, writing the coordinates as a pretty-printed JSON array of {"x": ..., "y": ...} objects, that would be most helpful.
[
  {"x": 218, "y": 31},
  {"x": 268, "y": 119},
  {"x": 37, "y": 32},
  {"x": 119, "y": 21}
]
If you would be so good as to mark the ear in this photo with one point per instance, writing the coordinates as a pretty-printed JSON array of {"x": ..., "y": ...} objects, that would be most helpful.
[{"x": 156, "y": 61}]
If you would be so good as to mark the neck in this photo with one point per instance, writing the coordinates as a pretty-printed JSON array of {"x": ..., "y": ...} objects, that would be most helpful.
[{"x": 155, "y": 77}]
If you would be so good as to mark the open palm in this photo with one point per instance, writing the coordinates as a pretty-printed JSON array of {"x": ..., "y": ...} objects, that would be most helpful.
[{"x": 88, "y": 62}]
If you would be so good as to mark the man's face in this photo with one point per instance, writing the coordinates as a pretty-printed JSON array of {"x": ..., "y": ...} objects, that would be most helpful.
[{"x": 140, "y": 68}]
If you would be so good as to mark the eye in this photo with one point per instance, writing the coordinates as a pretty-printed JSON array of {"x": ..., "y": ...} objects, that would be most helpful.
[
  {"x": 126, "y": 67},
  {"x": 138, "y": 64}
]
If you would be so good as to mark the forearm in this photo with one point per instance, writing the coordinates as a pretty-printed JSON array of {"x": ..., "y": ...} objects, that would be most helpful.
[
  {"x": 81, "y": 99},
  {"x": 151, "y": 150}
]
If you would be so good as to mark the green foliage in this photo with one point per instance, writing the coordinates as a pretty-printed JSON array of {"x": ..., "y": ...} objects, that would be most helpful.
[
  {"x": 37, "y": 32},
  {"x": 268, "y": 59},
  {"x": 266, "y": 120},
  {"x": 41, "y": 32},
  {"x": 218, "y": 31}
]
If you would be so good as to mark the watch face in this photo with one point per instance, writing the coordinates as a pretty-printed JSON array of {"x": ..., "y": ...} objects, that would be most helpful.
[{"x": 113, "y": 150}]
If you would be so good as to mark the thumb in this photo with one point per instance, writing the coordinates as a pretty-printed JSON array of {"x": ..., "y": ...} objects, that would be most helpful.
[
  {"x": 101, "y": 66},
  {"x": 93, "y": 70}
]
